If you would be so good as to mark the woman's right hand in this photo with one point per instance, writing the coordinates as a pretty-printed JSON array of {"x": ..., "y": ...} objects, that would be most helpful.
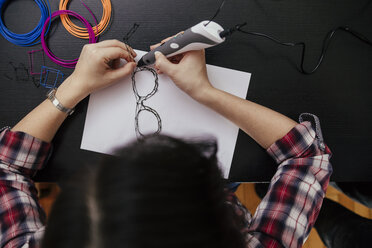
[{"x": 187, "y": 71}]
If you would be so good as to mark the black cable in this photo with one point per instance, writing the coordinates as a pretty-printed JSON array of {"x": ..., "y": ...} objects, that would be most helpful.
[
  {"x": 326, "y": 42},
  {"x": 217, "y": 12}
]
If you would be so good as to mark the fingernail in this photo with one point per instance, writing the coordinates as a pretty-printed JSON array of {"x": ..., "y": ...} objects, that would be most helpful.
[{"x": 157, "y": 54}]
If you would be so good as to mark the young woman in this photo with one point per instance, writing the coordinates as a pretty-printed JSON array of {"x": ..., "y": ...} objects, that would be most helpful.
[{"x": 160, "y": 192}]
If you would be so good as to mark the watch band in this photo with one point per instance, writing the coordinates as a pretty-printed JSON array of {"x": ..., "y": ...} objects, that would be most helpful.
[{"x": 51, "y": 95}]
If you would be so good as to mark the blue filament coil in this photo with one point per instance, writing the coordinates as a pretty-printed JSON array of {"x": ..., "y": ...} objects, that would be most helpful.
[{"x": 31, "y": 38}]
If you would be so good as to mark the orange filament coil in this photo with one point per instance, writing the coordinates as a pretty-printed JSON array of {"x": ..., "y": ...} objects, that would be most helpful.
[{"x": 81, "y": 32}]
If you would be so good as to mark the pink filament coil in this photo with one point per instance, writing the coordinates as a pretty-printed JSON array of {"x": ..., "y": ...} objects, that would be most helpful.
[{"x": 62, "y": 62}]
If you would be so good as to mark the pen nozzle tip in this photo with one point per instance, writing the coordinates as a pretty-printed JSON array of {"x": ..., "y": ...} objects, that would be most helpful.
[{"x": 140, "y": 63}]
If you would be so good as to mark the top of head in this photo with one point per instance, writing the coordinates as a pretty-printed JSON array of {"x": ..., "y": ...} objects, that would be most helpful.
[{"x": 210, "y": 30}]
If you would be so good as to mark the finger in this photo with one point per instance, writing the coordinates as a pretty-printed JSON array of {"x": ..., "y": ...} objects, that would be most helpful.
[
  {"x": 112, "y": 53},
  {"x": 160, "y": 43},
  {"x": 171, "y": 37},
  {"x": 116, "y": 43},
  {"x": 166, "y": 39},
  {"x": 155, "y": 46},
  {"x": 163, "y": 64},
  {"x": 152, "y": 47},
  {"x": 132, "y": 52},
  {"x": 122, "y": 72}
]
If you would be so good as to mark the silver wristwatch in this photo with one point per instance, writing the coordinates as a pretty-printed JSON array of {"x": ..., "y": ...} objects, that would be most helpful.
[{"x": 51, "y": 95}]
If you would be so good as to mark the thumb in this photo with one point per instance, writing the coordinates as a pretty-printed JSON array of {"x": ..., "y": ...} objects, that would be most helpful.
[
  {"x": 163, "y": 64},
  {"x": 123, "y": 71}
]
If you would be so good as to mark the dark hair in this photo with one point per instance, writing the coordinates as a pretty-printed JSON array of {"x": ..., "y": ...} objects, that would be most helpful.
[{"x": 158, "y": 192}]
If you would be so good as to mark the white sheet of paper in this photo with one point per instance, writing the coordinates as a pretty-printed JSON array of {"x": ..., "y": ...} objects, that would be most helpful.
[{"x": 110, "y": 120}]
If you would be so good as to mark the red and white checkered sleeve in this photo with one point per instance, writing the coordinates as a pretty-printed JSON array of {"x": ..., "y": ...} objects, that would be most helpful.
[
  {"x": 22, "y": 219},
  {"x": 287, "y": 213}
]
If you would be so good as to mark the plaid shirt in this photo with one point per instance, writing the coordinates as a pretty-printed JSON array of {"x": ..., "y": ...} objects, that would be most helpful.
[
  {"x": 22, "y": 219},
  {"x": 283, "y": 218},
  {"x": 288, "y": 211}
]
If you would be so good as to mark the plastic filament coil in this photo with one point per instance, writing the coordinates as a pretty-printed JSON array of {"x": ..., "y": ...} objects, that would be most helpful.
[
  {"x": 32, "y": 37},
  {"x": 63, "y": 62},
  {"x": 81, "y": 32}
]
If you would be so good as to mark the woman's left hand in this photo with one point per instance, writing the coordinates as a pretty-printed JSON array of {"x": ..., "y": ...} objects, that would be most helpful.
[{"x": 98, "y": 67}]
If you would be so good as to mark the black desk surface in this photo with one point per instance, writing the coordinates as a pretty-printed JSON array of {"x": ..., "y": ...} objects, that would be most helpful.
[{"x": 339, "y": 92}]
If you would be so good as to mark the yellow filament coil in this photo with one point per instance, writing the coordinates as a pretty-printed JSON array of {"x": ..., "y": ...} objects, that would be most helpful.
[{"x": 81, "y": 32}]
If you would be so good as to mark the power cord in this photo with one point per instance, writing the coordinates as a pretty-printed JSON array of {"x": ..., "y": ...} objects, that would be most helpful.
[{"x": 326, "y": 41}]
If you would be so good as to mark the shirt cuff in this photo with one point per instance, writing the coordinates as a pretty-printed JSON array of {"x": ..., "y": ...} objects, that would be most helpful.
[
  {"x": 294, "y": 143},
  {"x": 23, "y": 151}
]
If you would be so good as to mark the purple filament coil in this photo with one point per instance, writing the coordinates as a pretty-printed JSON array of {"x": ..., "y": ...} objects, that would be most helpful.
[{"x": 55, "y": 59}]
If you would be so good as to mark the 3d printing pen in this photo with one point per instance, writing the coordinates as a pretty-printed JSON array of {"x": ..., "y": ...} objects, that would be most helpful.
[{"x": 203, "y": 35}]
